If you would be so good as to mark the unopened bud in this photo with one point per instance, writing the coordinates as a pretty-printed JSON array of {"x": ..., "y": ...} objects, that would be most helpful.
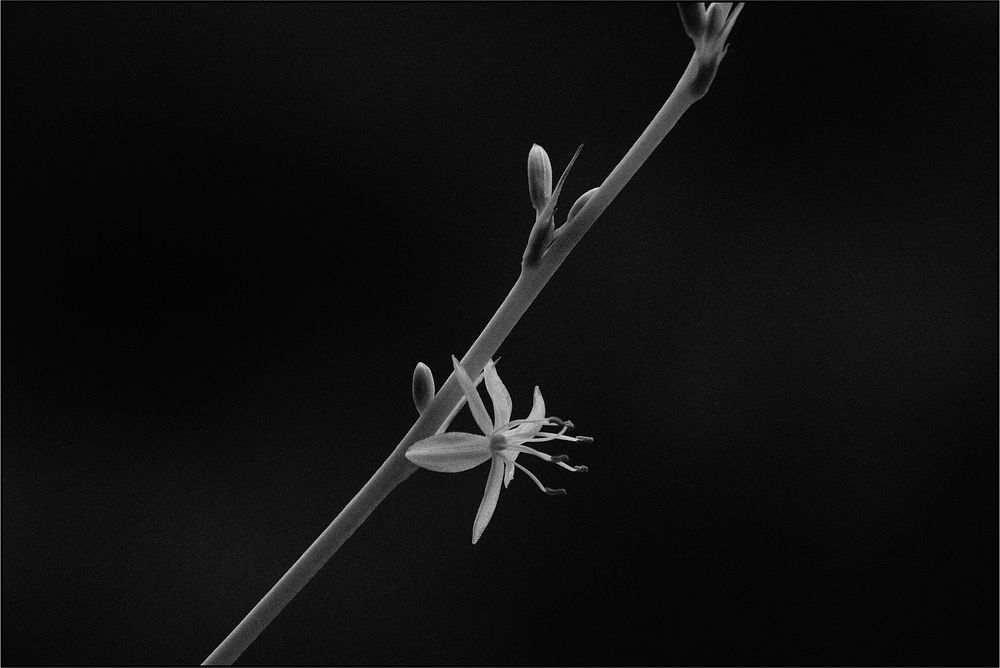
[
  {"x": 423, "y": 386},
  {"x": 579, "y": 203},
  {"x": 694, "y": 18},
  {"x": 539, "y": 177},
  {"x": 716, "y": 16}
]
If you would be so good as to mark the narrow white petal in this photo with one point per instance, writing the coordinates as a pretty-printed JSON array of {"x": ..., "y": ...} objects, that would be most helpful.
[
  {"x": 476, "y": 404},
  {"x": 523, "y": 431},
  {"x": 498, "y": 393},
  {"x": 451, "y": 452},
  {"x": 510, "y": 456},
  {"x": 490, "y": 498},
  {"x": 454, "y": 411}
]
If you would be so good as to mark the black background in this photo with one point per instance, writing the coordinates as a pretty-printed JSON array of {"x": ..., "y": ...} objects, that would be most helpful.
[{"x": 231, "y": 230}]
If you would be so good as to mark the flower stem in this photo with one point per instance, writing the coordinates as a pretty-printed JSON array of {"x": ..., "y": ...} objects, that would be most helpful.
[{"x": 396, "y": 467}]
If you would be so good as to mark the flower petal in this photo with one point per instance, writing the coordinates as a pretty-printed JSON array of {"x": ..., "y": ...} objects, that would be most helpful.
[
  {"x": 451, "y": 452},
  {"x": 490, "y": 498},
  {"x": 522, "y": 432},
  {"x": 525, "y": 431},
  {"x": 498, "y": 393},
  {"x": 476, "y": 404},
  {"x": 454, "y": 411},
  {"x": 509, "y": 456}
]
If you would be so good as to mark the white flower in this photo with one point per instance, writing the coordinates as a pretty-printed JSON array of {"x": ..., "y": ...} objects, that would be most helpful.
[{"x": 501, "y": 442}]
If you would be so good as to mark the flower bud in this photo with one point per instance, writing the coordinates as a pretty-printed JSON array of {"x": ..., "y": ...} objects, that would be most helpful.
[
  {"x": 716, "y": 16},
  {"x": 580, "y": 202},
  {"x": 423, "y": 386},
  {"x": 539, "y": 177},
  {"x": 694, "y": 18}
]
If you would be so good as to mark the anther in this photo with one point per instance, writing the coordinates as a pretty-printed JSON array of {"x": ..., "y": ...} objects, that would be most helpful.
[
  {"x": 555, "y": 492},
  {"x": 581, "y": 469},
  {"x": 584, "y": 439},
  {"x": 561, "y": 423},
  {"x": 558, "y": 459}
]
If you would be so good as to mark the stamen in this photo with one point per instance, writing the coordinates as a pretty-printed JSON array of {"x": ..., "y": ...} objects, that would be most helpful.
[
  {"x": 528, "y": 451},
  {"x": 542, "y": 436},
  {"x": 558, "y": 459},
  {"x": 545, "y": 422},
  {"x": 514, "y": 423},
  {"x": 533, "y": 477},
  {"x": 545, "y": 436}
]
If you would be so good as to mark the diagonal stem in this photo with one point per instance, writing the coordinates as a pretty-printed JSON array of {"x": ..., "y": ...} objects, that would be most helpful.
[{"x": 396, "y": 467}]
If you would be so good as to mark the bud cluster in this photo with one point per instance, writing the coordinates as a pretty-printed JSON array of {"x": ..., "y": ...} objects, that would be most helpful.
[{"x": 708, "y": 29}]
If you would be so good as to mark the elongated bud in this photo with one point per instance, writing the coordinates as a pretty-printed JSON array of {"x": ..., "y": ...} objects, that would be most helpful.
[
  {"x": 716, "y": 16},
  {"x": 694, "y": 18},
  {"x": 539, "y": 177},
  {"x": 423, "y": 386},
  {"x": 579, "y": 203},
  {"x": 541, "y": 231}
]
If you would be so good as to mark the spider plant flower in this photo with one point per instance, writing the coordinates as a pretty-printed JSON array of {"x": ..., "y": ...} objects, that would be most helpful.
[{"x": 500, "y": 443}]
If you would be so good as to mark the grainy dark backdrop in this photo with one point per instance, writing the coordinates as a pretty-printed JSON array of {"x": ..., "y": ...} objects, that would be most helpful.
[{"x": 231, "y": 230}]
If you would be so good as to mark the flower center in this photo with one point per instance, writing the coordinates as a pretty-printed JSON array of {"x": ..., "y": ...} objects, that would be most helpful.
[{"x": 498, "y": 442}]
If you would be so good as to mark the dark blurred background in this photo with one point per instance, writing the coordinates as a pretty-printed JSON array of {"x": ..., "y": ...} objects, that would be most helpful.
[{"x": 231, "y": 230}]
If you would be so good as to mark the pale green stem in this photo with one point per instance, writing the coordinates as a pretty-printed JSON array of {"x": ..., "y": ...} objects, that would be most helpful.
[{"x": 396, "y": 467}]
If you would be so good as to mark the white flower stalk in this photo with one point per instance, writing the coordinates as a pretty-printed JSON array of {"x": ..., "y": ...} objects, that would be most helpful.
[{"x": 501, "y": 442}]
